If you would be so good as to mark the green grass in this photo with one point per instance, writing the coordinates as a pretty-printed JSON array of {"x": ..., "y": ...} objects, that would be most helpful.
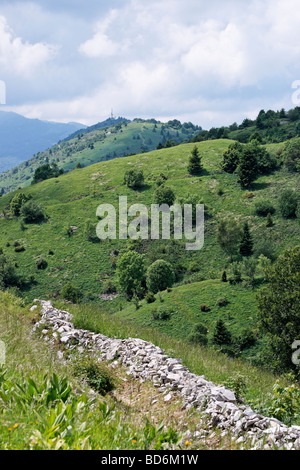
[
  {"x": 73, "y": 198},
  {"x": 95, "y": 146}
]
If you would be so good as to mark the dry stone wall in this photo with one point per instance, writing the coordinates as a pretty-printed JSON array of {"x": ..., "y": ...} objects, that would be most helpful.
[{"x": 145, "y": 361}]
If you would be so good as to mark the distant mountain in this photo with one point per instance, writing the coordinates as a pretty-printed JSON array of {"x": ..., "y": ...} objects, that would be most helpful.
[
  {"x": 21, "y": 138},
  {"x": 113, "y": 138}
]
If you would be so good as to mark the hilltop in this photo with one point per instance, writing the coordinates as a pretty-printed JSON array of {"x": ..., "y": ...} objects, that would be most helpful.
[{"x": 110, "y": 139}]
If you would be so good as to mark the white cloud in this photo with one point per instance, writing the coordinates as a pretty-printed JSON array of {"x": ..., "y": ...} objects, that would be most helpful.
[
  {"x": 100, "y": 45},
  {"x": 190, "y": 60},
  {"x": 22, "y": 57}
]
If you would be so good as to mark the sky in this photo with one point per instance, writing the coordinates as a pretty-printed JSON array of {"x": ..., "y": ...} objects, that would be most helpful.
[{"x": 208, "y": 62}]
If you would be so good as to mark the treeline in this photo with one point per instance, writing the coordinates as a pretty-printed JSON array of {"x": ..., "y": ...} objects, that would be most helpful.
[{"x": 269, "y": 127}]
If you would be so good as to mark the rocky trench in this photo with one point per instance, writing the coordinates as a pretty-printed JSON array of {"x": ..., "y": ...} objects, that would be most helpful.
[{"x": 145, "y": 361}]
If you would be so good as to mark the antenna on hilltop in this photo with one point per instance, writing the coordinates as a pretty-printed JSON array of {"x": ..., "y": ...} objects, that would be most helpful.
[{"x": 112, "y": 114}]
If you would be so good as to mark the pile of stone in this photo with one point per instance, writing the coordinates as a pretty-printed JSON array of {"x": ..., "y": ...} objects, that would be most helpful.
[{"x": 145, "y": 361}]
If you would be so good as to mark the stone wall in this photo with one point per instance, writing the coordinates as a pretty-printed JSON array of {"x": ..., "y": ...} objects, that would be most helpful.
[{"x": 145, "y": 361}]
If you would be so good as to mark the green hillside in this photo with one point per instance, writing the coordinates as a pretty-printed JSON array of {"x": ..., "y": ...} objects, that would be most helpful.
[
  {"x": 71, "y": 200},
  {"x": 98, "y": 143}
]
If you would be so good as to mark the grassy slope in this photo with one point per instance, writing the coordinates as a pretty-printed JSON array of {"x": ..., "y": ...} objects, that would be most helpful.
[
  {"x": 95, "y": 146},
  {"x": 74, "y": 197},
  {"x": 117, "y": 421}
]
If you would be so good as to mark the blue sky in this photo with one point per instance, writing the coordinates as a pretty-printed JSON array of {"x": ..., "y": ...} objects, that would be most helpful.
[{"x": 212, "y": 63}]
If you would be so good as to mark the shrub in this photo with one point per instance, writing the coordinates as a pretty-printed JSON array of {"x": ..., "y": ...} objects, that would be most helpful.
[
  {"x": 222, "y": 302},
  {"x": 263, "y": 208},
  {"x": 17, "y": 202},
  {"x": 238, "y": 385},
  {"x": 134, "y": 178},
  {"x": 245, "y": 339},
  {"x": 288, "y": 202},
  {"x": 32, "y": 212},
  {"x": 150, "y": 297},
  {"x": 90, "y": 232},
  {"x": 199, "y": 335},
  {"x": 19, "y": 249},
  {"x": 163, "y": 313},
  {"x": 98, "y": 376},
  {"x": 248, "y": 195},
  {"x": 71, "y": 293},
  {"x": 204, "y": 308},
  {"x": 164, "y": 195},
  {"x": 41, "y": 263},
  {"x": 109, "y": 287},
  {"x": 160, "y": 275}
]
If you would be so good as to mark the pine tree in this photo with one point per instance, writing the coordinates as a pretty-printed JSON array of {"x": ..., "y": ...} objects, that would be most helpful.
[
  {"x": 269, "y": 220},
  {"x": 194, "y": 166},
  {"x": 221, "y": 334},
  {"x": 246, "y": 246},
  {"x": 224, "y": 277}
]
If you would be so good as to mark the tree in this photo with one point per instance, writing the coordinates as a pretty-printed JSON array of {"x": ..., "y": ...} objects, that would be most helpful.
[
  {"x": 160, "y": 275},
  {"x": 71, "y": 293},
  {"x": 221, "y": 335},
  {"x": 246, "y": 245},
  {"x": 288, "y": 202},
  {"x": 194, "y": 166},
  {"x": 291, "y": 155},
  {"x": 130, "y": 270},
  {"x": 279, "y": 309},
  {"x": 248, "y": 168},
  {"x": 45, "y": 172},
  {"x": 229, "y": 234},
  {"x": 32, "y": 212},
  {"x": 199, "y": 335},
  {"x": 164, "y": 195},
  {"x": 134, "y": 179},
  {"x": 231, "y": 157},
  {"x": 17, "y": 201}
]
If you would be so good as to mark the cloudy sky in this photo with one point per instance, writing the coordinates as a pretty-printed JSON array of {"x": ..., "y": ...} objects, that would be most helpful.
[{"x": 210, "y": 62}]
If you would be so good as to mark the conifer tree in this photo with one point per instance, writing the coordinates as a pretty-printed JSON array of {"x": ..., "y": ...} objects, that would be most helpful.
[
  {"x": 194, "y": 166},
  {"x": 269, "y": 220},
  {"x": 221, "y": 334},
  {"x": 246, "y": 246}
]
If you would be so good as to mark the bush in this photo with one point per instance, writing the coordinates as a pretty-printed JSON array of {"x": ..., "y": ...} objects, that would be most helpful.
[
  {"x": 19, "y": 249},
  {"x": 109, "y": 287},
  {"x": 164, "y": 195},
  {"x": 263, "y": 208},
  {"x": 150, "y": 297},
  {"x": 71, "y": 293},
  {"x": 41, "y": 263},
  {"x": 98, "y": 376},
  {"x": 204, "y": 308},
  {"x": 17, "y": 202},
  {"x": 288, "y": 203},
  {"x": 199, "y": 335},
  {"x": 163, "y": 313},
  {"x": 222, "y": 302},
  {"x": 32, "y": 212},
  {"x": 134, "y": 178},
  {"x": 160, "y": 275}
]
